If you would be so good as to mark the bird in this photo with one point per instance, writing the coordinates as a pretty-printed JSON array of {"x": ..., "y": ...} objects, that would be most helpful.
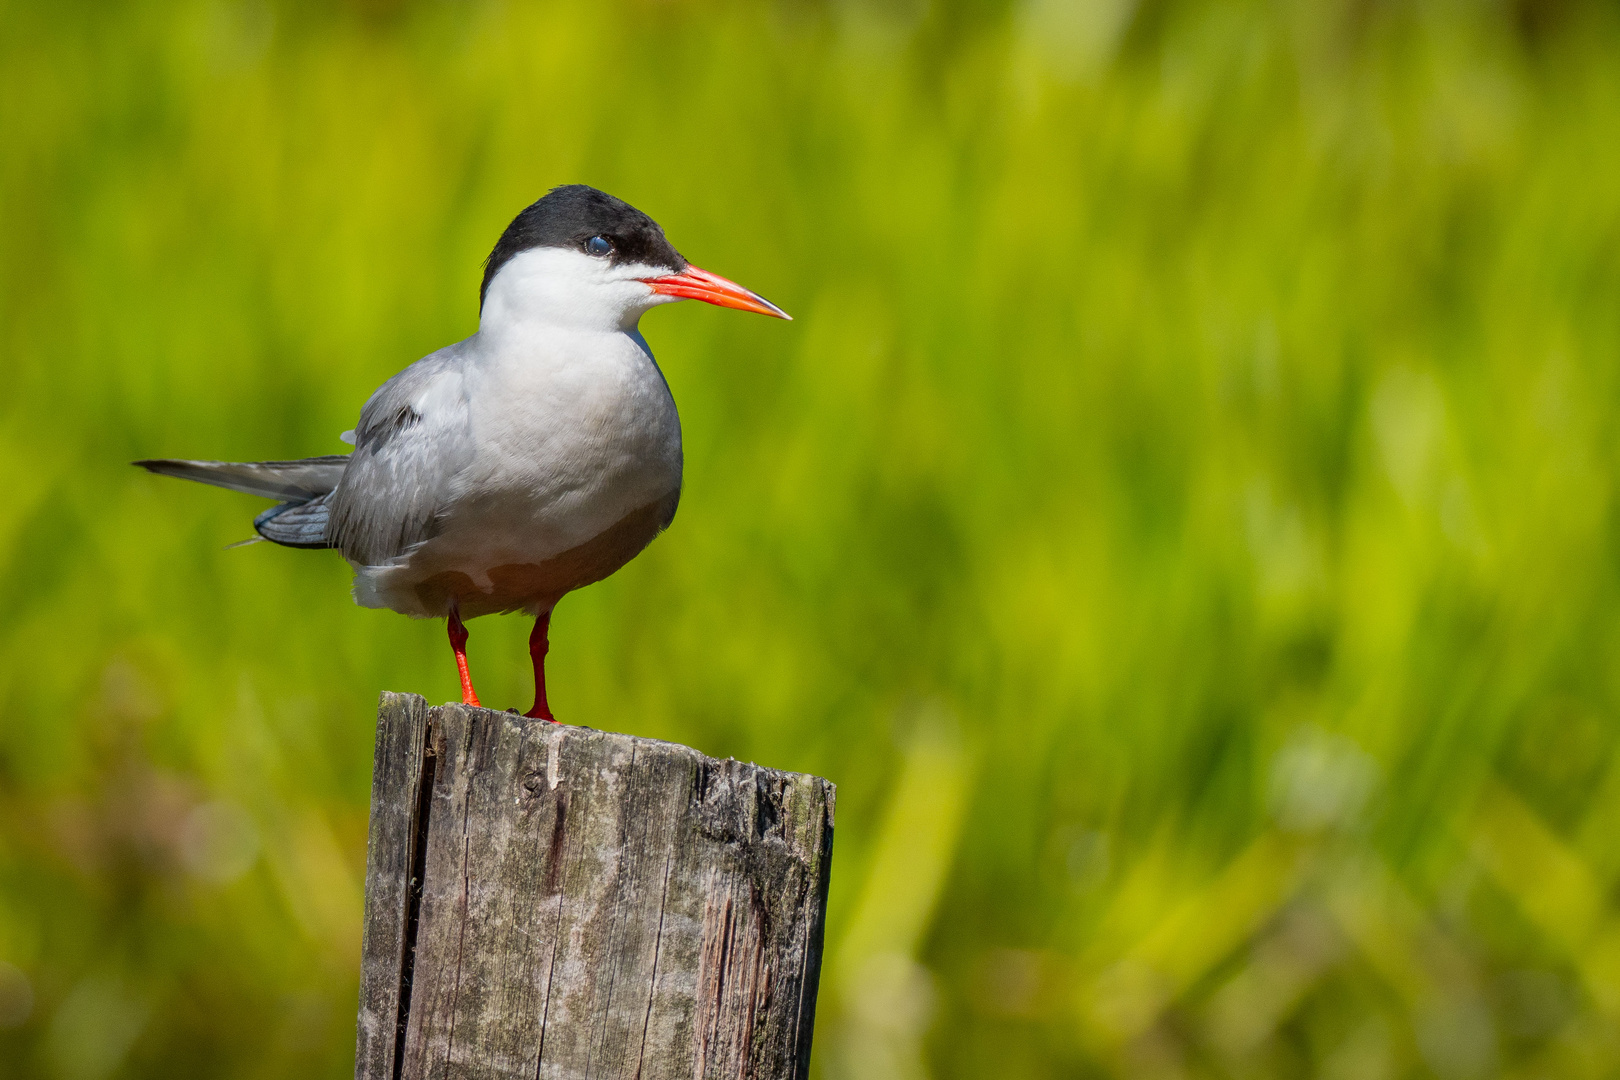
[{"x": 529, "y": 460}]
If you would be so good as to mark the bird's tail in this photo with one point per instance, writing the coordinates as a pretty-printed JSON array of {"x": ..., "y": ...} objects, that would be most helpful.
[
  {"x": 300, "y": 487},
  {"x": 289, "y": 480}
]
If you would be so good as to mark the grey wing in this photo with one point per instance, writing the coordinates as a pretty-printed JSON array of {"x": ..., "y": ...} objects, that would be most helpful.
[
  {"x": 295, "y": 524},
  {"x": 413, "y": 438}
]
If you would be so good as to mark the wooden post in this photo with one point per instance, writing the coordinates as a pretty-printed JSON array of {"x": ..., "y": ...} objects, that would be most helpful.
[{"x": 554, "y": 902}]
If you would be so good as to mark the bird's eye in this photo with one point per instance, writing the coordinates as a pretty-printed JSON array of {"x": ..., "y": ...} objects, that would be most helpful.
[{"x": 598, "y": 245}]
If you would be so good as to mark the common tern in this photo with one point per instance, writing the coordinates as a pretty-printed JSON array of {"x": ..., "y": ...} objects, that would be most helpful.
[{"x": 538, "y": 456}]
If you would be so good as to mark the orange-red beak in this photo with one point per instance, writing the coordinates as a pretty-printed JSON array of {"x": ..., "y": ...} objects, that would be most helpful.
[{"x": 695, "y": 284}]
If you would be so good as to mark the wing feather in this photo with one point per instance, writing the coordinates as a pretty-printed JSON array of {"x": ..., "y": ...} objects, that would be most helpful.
[
  {"x": 295, "y": 524},
  {"x": 413, "y": 438}
]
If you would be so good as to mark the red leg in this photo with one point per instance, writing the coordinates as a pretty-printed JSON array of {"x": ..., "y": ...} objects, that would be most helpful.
[
  {"x": 458, "y": 642},
  {"x": 539, "y": 645}
]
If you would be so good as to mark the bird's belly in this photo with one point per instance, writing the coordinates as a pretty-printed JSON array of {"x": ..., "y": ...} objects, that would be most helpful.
[
  {"x": 507, "y": 576},
  {"x": 533, "y": 524},
  {"x": 507, "y": 567}
]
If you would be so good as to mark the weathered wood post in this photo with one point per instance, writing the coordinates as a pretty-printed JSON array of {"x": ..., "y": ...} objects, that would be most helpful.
[{"x": 554, "y": 902}]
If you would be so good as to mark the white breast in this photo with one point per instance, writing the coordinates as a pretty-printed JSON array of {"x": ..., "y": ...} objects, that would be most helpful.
[{"x": 571, "y": 432}]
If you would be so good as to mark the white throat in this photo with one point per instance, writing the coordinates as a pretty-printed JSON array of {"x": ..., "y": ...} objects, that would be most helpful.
[{"x": 567, "y": 289}]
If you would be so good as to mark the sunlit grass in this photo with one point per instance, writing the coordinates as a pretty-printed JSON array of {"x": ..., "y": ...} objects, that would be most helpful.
[{"x": 1180, "y": 517}]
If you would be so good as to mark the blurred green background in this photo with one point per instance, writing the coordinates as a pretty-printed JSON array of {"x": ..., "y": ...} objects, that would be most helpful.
[{"x": 1181, "y": 519}]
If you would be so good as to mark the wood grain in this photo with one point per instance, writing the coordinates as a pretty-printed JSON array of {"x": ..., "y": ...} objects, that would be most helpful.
[{"x": 553, "y": 902}]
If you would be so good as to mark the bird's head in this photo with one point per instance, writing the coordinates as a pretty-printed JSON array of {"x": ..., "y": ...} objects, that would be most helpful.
[{"x": 579, "y": 257}]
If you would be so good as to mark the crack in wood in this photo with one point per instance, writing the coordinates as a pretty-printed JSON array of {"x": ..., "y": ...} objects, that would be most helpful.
[
  {"x": 551, "y": 974},
  {"x": 615, "y": 924},
  {"x": 652, "y": 983},
  {"x": 466, "y": 889},
  {"x": 733, "y": 975},
  {"x": 416, "y": 870}
]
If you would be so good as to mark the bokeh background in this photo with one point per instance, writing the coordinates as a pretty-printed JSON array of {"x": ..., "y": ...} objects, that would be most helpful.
[{"x": 1182, "y": 519}]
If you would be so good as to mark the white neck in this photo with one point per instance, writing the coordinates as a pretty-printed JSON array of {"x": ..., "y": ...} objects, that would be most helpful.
[{"x": 566, "y": 289}]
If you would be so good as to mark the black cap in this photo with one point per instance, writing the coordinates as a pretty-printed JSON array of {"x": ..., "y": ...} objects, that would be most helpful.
[{"x": 572, "y": 215}]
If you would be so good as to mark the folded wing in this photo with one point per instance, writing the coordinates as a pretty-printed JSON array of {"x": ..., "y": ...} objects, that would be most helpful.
[
  {"x": 295, "y": 524},
  {"x": 413, "y": 438}
]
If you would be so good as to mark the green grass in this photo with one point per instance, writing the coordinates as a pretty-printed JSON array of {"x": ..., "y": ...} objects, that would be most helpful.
[{"x": 1181, "y": 518}]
